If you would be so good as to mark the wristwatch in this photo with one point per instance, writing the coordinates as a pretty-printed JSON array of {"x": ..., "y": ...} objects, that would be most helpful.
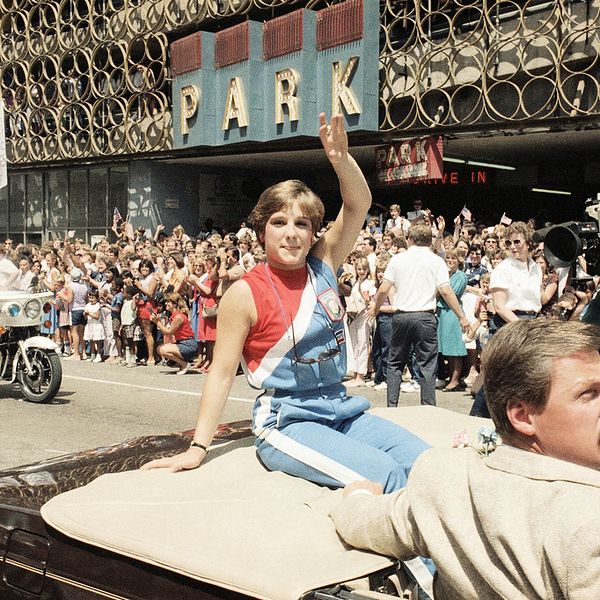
[{"x": 197, "y": 445}]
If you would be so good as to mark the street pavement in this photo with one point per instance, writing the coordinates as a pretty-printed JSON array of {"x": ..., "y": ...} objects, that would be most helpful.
[{"x": 101, "y": 404}]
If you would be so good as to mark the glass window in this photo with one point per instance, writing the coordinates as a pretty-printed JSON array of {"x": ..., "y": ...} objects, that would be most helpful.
[
  {"x": 118, "y": 192},
  {"x": 16, "y": 236},
  {"x": 17, "y": 202},
  {"x": 57, "y": 200},
  {"x": 77, "y": 198},
  {"x": 95, "y": 236},
  {"x": 35, "y": 202},
  {"x": 34, "y": 238},
  {"x": 97, "y": 203}
]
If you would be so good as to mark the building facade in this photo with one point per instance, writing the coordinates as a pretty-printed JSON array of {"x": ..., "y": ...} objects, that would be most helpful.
[{"x": 93, "y": 106}]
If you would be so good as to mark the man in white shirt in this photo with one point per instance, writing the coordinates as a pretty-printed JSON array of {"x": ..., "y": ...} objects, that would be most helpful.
[
  {"x": 397, "y": 224},
  {"x": 418, "y": 275}
]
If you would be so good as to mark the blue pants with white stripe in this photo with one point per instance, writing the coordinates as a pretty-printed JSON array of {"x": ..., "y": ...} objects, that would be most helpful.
[{"x": 338, "y": 453}]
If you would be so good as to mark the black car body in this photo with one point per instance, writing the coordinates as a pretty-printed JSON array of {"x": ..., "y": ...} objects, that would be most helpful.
[{"x": 39, "y": 562}]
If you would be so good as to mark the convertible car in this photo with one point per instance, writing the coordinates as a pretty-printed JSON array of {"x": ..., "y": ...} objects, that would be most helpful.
[{"x": 91, "y": 525}]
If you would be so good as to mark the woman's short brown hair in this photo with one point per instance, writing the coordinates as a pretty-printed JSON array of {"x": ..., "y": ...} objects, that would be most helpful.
[
  {"x": 518, "y": 362},
  {"x": 177, "y": 300},
  {"x": 281, "y": 195},
  {"x": 519, "y": 228},
  {"x": 178, "y": 258}
]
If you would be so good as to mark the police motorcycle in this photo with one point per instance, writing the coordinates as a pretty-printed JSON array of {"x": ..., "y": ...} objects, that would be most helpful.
[{"x": 27, "y": 358}]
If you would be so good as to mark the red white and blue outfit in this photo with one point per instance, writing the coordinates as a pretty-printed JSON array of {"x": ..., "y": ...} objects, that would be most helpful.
[{"x": 306, "y": 425}]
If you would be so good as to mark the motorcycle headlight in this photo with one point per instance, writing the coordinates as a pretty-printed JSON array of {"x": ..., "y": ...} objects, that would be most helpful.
[
  {"x": 14, "y": 310},
  {"x": 32, "y": 309}
]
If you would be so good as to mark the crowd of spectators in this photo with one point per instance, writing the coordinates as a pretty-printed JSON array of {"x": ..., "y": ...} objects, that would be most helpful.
[{"x": 138, "y": 299}]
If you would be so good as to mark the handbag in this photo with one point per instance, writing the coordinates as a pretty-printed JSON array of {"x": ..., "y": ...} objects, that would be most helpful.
[{"x": 210, "y": 312}]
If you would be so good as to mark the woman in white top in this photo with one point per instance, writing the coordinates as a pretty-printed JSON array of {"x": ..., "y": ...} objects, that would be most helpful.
[
  {"x": 516, "y": 283},
  {"x": 517, "y": 293}
]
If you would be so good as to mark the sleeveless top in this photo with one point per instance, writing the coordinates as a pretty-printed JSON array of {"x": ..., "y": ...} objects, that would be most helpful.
[
  {"x": 185, "y": 331},
  {"x": 300, "y": 318}
]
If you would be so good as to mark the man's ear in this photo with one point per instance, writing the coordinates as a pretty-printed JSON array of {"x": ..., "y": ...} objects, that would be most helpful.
[{"x": 520, "y": 416}]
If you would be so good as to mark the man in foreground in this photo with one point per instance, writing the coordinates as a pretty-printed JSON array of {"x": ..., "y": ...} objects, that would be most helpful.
[{"x": 523, "y": 522}]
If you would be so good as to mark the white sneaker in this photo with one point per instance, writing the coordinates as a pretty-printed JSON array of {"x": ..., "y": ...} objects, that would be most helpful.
[
  {"x": 410, "y": 387},
  {"x": 184, "y": 370},
  {"x": 354, "y": 383},
  {"x": 370, "y": 383},
  {"x": 380, "y": 386},
  {"x": 98, "y": 358}
]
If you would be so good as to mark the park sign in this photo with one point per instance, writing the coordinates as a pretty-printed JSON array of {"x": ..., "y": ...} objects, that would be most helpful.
[
  {"x": 410, "y": 161},
  {"x": 266, "y": 81}
]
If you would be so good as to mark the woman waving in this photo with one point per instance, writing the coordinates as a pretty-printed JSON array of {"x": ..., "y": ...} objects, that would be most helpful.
[{"x": 284, "y": 321}]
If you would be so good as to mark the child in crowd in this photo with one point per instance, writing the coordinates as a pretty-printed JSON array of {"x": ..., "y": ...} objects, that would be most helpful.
[
  {"x": 116, "y": 304},
  {"x": 484, "y": 310},
  {"x": 63, "y": 299},
  {"x": 129, "y": 325},
  {"x": 94, "y": 331},
  {"x": 360, "y": 327}
]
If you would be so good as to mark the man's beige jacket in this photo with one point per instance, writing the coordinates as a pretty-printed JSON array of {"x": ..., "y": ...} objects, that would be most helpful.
[{"x": 514, "y": 525}]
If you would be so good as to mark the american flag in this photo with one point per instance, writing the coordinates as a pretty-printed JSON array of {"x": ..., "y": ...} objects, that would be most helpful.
[
  {"x": 504, "y": 220},
  {"x": 116, "y": 219},
  {"x": 466, "y": 213}
]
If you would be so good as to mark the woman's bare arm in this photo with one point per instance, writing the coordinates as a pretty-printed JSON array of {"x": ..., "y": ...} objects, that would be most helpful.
[
  {"x": 499, "y": 298},
  {"x": 237, "y": 314},
  {"x": 336, "y": 244}
]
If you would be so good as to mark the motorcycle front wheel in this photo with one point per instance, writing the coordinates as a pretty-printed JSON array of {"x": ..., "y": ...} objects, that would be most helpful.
[{"x": 42, "y": 383}]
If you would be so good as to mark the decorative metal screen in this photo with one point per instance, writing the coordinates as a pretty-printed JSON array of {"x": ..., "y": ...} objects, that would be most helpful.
[
  {"x": 232, "y": 45},
  {"x": 473, "y": 64},
  {"x": 84, "y": 78},
  {"x": 283, "y": 35},
  {"x": 186, "y": 54},
  {"x": 340, "y": 24}
]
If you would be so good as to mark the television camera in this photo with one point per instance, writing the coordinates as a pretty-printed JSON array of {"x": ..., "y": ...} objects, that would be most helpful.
[{"x": 563, "y": 243}]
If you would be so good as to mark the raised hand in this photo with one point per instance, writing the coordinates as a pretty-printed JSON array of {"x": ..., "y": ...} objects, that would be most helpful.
[{"x": 334, "y": 138}]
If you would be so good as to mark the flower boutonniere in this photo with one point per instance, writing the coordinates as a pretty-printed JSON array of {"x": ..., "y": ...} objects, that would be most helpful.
[{"x": 487, "y": 440}]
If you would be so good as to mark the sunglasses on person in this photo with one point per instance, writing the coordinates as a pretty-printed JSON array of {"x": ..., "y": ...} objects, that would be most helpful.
[
  {"x": 321, "y": 357},
  {"x": 515, "y": 242}
]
